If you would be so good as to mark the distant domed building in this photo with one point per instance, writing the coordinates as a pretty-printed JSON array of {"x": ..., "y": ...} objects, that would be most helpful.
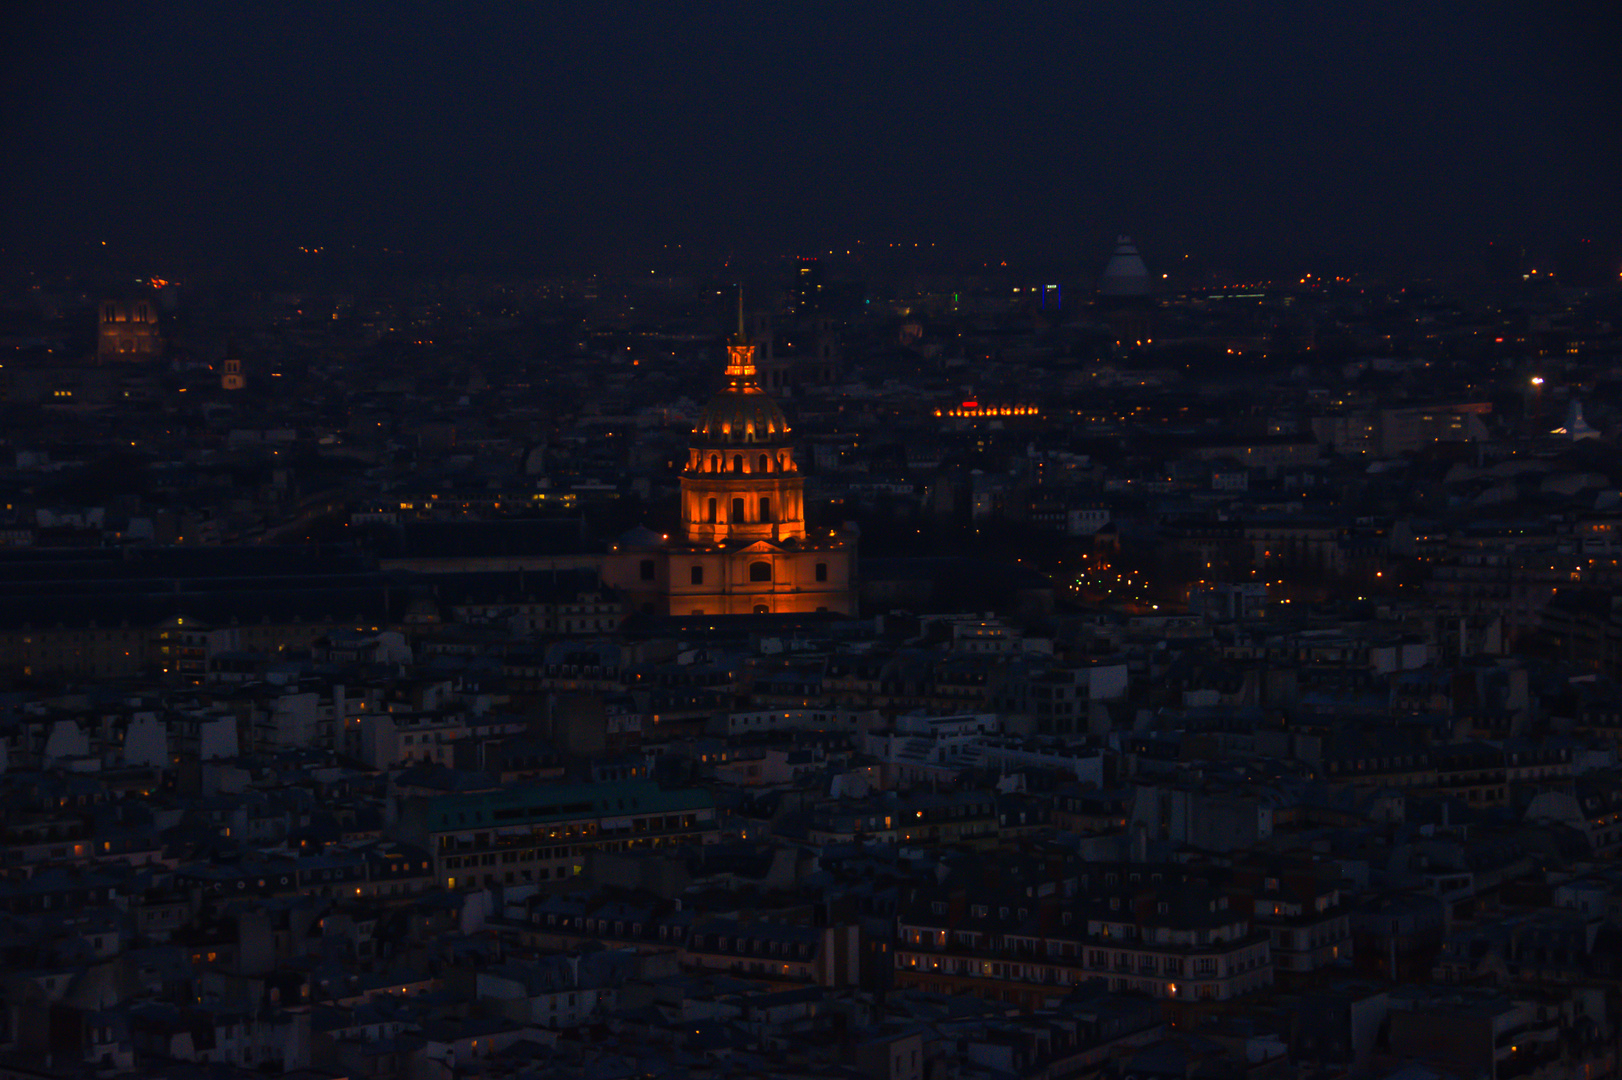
[
  {"x": 743, "y": 547},
  {"x": 1125, "y": 275}
]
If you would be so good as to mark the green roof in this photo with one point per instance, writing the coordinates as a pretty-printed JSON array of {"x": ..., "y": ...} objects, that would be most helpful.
[{"x": 532, "y": 804}]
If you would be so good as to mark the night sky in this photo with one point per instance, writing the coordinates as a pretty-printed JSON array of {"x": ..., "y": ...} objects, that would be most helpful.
[{"x": 1252, "y": 134}]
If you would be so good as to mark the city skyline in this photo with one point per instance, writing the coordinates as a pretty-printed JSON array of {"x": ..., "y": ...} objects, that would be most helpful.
[{"x": 765, "y": 542}]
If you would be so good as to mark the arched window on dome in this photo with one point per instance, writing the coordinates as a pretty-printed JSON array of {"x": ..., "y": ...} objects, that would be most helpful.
[
  {"x": 715, "y": 463},
  {"x": 782, "y": 462},
  {"x": 765, "y": 464},
  {"x": 737, "y": 510},
  {"x": 737, "y": 463},
  {"x": 765, "y": 508},
  {"x": 760, "y": 571},
  {"x": 712, "y": 509},
  {"x": 762, "y": 609}
]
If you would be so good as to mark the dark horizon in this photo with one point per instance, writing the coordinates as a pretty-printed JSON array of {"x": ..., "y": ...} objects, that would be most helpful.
[{"x": 1268, "y": 142}]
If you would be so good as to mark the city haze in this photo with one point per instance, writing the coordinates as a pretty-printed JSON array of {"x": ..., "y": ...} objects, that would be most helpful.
[{"x": 1269, "y": 139}]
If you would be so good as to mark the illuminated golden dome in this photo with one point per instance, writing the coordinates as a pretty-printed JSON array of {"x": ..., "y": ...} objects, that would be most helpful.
[
  {"x": 742, "y": 413},
  {"x": 741, "y": 417},
  {"x": 741, "y": 484}
]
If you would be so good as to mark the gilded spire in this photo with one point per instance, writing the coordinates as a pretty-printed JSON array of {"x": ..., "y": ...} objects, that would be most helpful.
[{"x": 740, "y": 355}]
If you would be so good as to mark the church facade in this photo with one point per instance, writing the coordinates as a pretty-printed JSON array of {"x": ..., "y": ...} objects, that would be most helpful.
[
  {"x": 742, "y": 545},
  {"x": 128, "y": 331}
]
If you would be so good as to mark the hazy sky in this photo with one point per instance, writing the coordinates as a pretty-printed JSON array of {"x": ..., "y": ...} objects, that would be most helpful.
[{"x": 1239, "y": 130}]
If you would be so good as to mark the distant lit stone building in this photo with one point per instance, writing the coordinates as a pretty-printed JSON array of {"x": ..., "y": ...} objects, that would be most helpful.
[
  {"x": 743, "y": 547},
  {"x": 538, "y": 832},
  {"x": 128, "y": 331}
]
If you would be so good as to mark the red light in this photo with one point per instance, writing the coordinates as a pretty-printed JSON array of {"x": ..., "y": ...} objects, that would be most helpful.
[
  {"x": 1499, "y": 340},
  {"x": 971, "y": 404}
]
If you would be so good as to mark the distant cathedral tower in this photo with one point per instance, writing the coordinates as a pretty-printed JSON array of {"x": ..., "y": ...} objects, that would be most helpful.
[
  {"x": 128, "y": 331},
  {"x": 743, "y": 547}
]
